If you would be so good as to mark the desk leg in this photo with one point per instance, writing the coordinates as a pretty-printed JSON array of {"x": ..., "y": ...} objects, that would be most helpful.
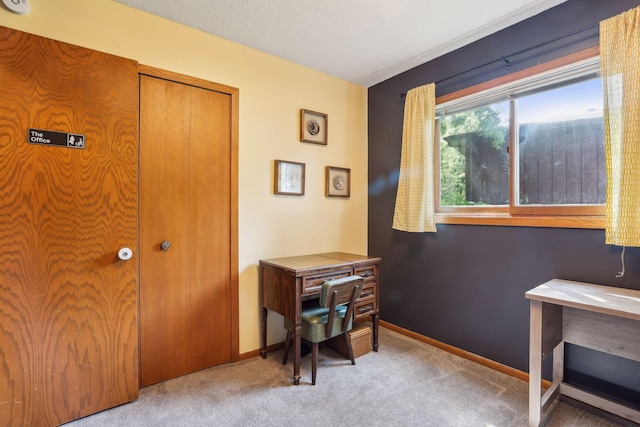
[
  {"x": 263, "y": 333},
  {"x": 375, "y": 318},
  {"x": 297, "y": 332},
  {"x": 535, "y": 362}
]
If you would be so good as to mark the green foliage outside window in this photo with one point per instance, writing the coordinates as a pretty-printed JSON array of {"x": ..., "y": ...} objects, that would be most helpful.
[
  {"x": 485, "y": 122},
  {"x": 452, "y": 176}
]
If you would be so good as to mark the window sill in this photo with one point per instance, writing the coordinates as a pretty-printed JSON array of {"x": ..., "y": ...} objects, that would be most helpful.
[{"x": 596, "y": 222}]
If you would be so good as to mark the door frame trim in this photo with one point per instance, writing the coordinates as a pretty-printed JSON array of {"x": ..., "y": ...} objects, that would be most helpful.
[{"x": 234, "y": 93}]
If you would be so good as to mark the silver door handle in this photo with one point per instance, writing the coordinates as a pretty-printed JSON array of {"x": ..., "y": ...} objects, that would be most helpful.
[{"x": 165, "y": 245}]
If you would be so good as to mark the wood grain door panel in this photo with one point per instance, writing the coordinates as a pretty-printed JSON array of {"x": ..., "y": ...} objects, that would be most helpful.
[
  {"x": 185, "y": 291},
  {"x": 68, "y": 306},
  {"x": 163, "y": 303},
  {"x": 210, "y": 222}
]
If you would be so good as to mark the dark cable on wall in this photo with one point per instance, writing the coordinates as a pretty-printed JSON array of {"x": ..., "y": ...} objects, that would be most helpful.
[{"x": 506, "y": 61}]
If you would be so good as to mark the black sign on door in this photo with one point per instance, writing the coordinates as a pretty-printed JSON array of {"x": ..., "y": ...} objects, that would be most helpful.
[{"x": 58, "y": 139}]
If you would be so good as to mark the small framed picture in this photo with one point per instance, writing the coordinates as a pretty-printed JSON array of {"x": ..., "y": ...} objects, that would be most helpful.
[
  {"x": 338, "y": 182},
  {"x": 288, "y": 178},
  {"x": 313, "y": 127}
]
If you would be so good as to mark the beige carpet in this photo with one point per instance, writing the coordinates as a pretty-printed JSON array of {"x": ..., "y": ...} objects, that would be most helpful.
[{"x": 406, "y": 383}]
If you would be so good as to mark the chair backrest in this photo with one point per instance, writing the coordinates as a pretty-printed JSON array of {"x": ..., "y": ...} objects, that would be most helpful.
[
  {"x": 339, "y": 292},
  {"x": 342, "y": 288}
]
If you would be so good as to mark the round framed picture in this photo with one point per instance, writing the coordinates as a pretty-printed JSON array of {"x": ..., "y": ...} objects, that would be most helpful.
[
  {"x": 313, "y": 127},
  {"x": 337, "y": 182}
]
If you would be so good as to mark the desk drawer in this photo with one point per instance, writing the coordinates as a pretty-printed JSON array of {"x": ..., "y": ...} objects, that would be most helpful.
[
  {"x": 313, "y": 284},
  {"x": 368, "y": 291},
  {"x": 367, "y": 305},
  {"x": 368, "y": 273},
  {"x": 365, "y": 308}
]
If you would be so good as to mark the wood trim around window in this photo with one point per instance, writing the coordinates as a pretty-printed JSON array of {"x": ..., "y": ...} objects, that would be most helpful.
[
  {"x": 596, "y": 222},
  {"x": 519, "y": 75},
  {"x": 565, "y": 216}
]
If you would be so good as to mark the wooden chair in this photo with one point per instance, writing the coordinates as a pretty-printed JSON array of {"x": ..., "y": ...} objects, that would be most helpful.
[{"x": 329, "y": 316}]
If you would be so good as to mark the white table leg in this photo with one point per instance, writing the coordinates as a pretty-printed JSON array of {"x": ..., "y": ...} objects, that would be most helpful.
[{"x": 535, "y": 362}]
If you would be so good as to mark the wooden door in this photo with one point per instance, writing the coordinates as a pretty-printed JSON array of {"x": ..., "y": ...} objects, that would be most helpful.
[
  {"x": 185, "y": 190},
  {"x": 68, "y": 305}
]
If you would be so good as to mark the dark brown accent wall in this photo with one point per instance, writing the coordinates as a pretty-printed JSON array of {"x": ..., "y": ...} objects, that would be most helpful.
[{"x": 465, "y": 285}]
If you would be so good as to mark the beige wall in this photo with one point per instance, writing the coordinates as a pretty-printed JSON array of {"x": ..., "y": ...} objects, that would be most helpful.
[{"x": 272, "y": 91}]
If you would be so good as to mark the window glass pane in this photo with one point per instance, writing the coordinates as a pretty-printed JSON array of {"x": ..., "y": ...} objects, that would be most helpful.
[
  {"x": 561, "y": 146},
  {"x": 474, "y": 165}
]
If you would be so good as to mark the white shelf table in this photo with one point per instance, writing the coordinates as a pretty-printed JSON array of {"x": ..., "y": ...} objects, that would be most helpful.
[{"x": 602, "y": 318}]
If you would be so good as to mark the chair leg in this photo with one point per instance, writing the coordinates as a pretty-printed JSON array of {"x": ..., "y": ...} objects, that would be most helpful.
[
  {"x": 314, "y": 362},
  {"x": 287, "y": 346},
  {"x": 347, "y": 342}
]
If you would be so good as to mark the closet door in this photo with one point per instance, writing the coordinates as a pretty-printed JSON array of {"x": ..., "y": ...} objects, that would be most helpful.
[
  {"x": 185, "y": 228},
  {"x": 68, "y": 304}
]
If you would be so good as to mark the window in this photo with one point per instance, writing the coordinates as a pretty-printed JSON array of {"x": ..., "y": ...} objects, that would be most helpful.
[
  {"x": 526, "y": 152},
  {"x": 474, "y": 159},
  {"x": 561, "y": 146}
]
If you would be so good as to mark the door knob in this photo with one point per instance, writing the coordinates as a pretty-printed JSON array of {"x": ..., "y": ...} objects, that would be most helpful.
[
  {"x": 165, "y": 245},
  {"x": 125, "y": 254}
]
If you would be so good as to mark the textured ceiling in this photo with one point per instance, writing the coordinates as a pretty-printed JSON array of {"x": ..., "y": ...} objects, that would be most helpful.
[{"x": 362, "y": 41}]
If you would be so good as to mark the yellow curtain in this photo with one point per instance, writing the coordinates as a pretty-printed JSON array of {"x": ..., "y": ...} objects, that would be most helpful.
[
  {"x": 620, "y": 65},
  {"x": 414, "y": 210}
]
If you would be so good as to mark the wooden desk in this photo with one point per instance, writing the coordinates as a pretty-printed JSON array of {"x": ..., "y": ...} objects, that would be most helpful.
[
  {"x": 285, "y": 282},
  {"x": 602, "y": 318}
]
